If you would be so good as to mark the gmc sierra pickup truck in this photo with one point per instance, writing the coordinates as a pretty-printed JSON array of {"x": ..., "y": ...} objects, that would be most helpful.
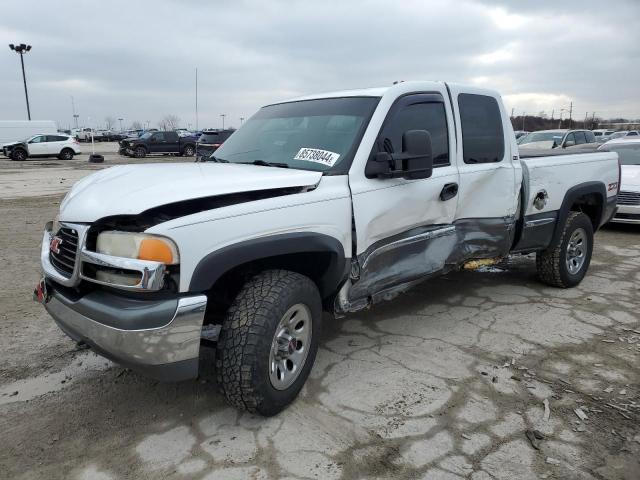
[
  {"x": 329, "y": 202},
  {"x": 158, "y": 142}
]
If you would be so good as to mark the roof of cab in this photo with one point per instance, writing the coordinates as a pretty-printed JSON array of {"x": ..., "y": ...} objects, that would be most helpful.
[{"x": 402, "y": 88}]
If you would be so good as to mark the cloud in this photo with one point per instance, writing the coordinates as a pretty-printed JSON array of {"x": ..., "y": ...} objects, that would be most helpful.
[{"x": 137, "y": 60}]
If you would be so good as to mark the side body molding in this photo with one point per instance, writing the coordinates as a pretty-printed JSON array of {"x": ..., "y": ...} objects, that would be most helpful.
[{"x": 217, "y": 263}]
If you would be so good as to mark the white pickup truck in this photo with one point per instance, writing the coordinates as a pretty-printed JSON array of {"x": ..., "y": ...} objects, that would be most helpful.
[{"x": 329, "y": 202}]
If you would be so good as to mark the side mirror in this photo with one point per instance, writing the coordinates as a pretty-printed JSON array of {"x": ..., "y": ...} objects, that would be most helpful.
[
  {"x": 415, "y": 161},
  {"x": 569, "y": 143}
]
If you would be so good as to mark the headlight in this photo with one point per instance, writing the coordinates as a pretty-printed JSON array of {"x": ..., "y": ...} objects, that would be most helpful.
[{"x": 138, "y": 245}]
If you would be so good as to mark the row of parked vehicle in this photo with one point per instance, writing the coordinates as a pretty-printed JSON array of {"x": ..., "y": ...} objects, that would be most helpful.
[
  {"x": 574, "y": 139},
  {"x": 175, "y": 142}
]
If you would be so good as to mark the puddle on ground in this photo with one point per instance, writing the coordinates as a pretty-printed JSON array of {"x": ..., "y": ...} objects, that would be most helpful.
[{"x": 30, "y": 388}]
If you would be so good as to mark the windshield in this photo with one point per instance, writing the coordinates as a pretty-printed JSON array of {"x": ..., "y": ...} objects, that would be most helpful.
[
  {"x": 541, "y": 137},
  {"x": 146, "y": 135},
  {"x": 617, "y": 135},
  {"x": 309, "y": 135}
]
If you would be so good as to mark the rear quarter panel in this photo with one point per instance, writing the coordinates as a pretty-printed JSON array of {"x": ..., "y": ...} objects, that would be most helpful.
[{"x": 558, "y": 173}]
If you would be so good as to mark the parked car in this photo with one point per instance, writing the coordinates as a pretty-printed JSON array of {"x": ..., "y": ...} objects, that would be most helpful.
[
  {"x": 629, "y": 196},
  {"x": 17, "y": 130},
  {"x": 84, "y": 134},
  {"x": 561, "y": 138},
  {"x": 335, "y": 202},
  {"x": 209, "y": 142},
  {"x": 62, "y": 146},
  {"x": 623, "y": 134},
  {"x": 602, "y": 134},
  {"x": 158, "y": 142}
]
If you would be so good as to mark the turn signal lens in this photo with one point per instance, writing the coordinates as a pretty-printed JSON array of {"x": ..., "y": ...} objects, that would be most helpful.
[{"x": 155, "y": 249}]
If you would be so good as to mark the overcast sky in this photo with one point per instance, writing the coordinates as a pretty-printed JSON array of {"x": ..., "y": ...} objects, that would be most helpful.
[{"x": 137, "y": 60}]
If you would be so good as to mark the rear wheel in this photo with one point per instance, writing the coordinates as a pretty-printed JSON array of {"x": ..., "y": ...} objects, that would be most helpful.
[
  {"x": 188, "y": 151},
  {"x": 565, "y": 262},
  {"x": 140, "y": 152},
  {"x": 66, "y": 154},
  {"x": 19, "y": 155},
  {"x": 269, "y": 341}
]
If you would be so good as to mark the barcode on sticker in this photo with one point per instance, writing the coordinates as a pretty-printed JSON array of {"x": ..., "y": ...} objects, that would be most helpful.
[{"x": 316, "y": 155}]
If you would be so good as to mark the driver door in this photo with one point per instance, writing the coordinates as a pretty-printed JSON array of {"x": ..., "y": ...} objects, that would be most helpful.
[
  {"x": 38, "y": 145},
  {"x": 404, "y": 227}
]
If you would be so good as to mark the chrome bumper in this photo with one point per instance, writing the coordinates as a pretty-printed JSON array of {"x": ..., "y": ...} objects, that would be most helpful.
[
  {"x": 627, "y": 214},
  {"x": 168, "y": 352}
]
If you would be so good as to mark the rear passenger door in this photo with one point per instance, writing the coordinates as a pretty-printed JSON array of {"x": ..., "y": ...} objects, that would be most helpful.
[
  {"x": 171, "y": 142},
  {"x": 490, "y": 178}
]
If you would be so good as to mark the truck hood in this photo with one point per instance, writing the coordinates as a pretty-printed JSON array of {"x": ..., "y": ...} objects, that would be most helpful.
[
  {"x": 630, "y": 177},
  {"x": 133, "y": 189}
]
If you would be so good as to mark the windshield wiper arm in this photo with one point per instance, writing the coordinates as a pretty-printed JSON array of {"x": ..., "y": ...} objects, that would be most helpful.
[{"x": 269, "y": 164}]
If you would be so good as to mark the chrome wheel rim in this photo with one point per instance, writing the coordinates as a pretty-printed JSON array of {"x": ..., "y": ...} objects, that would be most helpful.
[
  {"x": 290, "y": 346},
  {"x": 576, "y": 251}
]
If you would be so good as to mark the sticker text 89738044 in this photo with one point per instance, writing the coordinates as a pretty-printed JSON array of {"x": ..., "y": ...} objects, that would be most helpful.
[{"x": 316, "y": 155}]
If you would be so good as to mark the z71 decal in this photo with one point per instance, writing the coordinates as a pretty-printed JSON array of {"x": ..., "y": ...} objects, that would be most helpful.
[{"x": 324, "y": 157}]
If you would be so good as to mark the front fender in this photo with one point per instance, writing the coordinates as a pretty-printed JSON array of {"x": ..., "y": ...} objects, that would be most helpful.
[{"x": 217, "y": 263}]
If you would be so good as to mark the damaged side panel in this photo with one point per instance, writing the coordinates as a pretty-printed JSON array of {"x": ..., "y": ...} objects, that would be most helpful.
[{"x": 393, "y": 265}]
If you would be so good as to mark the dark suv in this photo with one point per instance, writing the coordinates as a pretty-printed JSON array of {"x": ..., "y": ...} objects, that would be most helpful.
[{"x": 209, "y": 142}]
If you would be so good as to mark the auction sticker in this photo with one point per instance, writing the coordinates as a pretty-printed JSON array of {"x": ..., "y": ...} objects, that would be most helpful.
[{"x": 316, "y": 155}]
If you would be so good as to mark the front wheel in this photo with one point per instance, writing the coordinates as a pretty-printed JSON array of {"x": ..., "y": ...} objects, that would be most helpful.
[
  {"x": 139, "y": 152},
  {"x": 566, "y": 261},
  {"x": 19, "y": 155},
  {"x": 268, "y": 341}
]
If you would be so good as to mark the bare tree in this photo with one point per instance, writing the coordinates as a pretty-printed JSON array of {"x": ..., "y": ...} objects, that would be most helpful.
[
  {"x": 109, "y": 122},
  {"x": 136, "y": 125},
  {"x": 169, "y": 122}
]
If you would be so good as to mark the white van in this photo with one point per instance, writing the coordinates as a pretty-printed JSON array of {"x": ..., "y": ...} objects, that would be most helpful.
[{"x": 16, "y": 130}]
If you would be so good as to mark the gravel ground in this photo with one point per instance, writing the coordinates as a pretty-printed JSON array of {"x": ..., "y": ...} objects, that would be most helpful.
[{"x": 442, "y": 383}]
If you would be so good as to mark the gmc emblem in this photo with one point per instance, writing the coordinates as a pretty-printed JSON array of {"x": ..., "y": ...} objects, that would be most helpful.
[{"x": 54, "y": 246}]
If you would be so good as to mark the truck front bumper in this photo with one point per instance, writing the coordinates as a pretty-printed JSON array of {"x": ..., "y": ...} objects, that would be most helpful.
[{"x": 159, "y": 338}]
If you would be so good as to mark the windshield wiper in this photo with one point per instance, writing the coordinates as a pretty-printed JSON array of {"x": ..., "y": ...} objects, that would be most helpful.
[{"x": 268, "y": 164}]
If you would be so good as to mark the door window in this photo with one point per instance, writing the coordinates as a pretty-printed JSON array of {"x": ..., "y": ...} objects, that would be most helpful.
[
  {"x": 580, "y": 138},
  {"x": 158, "y": 137},
  {"x": 418, "y": 112},
  {"x": 482, "y": 134},
  {"x": 38, "y": 139},
  {"x": 591, "y": 138}
]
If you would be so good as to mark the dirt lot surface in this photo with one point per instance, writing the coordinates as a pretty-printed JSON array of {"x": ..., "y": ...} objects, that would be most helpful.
[{"x": 448, "y": 381}]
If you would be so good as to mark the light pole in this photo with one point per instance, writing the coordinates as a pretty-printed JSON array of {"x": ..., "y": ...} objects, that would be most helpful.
[
  {"x": 21, "y": 50},
  {"x": 120, "y": 120},
  {"x": 241, "y": 120},
  {"x": 223, "y": 115}
]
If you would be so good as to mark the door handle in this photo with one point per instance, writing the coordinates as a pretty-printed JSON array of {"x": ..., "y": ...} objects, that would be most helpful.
[{"x": 449, "y": 191}]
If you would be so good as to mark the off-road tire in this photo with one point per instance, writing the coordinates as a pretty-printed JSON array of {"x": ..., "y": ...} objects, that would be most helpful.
[
  {"x": 19, "y": 155},
  {"x": 66, "y": 154},
  {"x": 188, "y": 151},
  {"x": 244, "y": 344},
  {"x": 140, "y": 152},
  {"x": 551, "y": 263}
]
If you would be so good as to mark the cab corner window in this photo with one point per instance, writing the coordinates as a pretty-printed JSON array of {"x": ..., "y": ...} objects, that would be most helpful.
[
  {"x": 417, "y": 114},
  {"x": 482, "y": 134}
]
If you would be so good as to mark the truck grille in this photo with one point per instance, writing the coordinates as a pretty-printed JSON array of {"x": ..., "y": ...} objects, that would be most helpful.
[
  {"x": 628, "y": 198},
  {"x": 65, "y": 260}
]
